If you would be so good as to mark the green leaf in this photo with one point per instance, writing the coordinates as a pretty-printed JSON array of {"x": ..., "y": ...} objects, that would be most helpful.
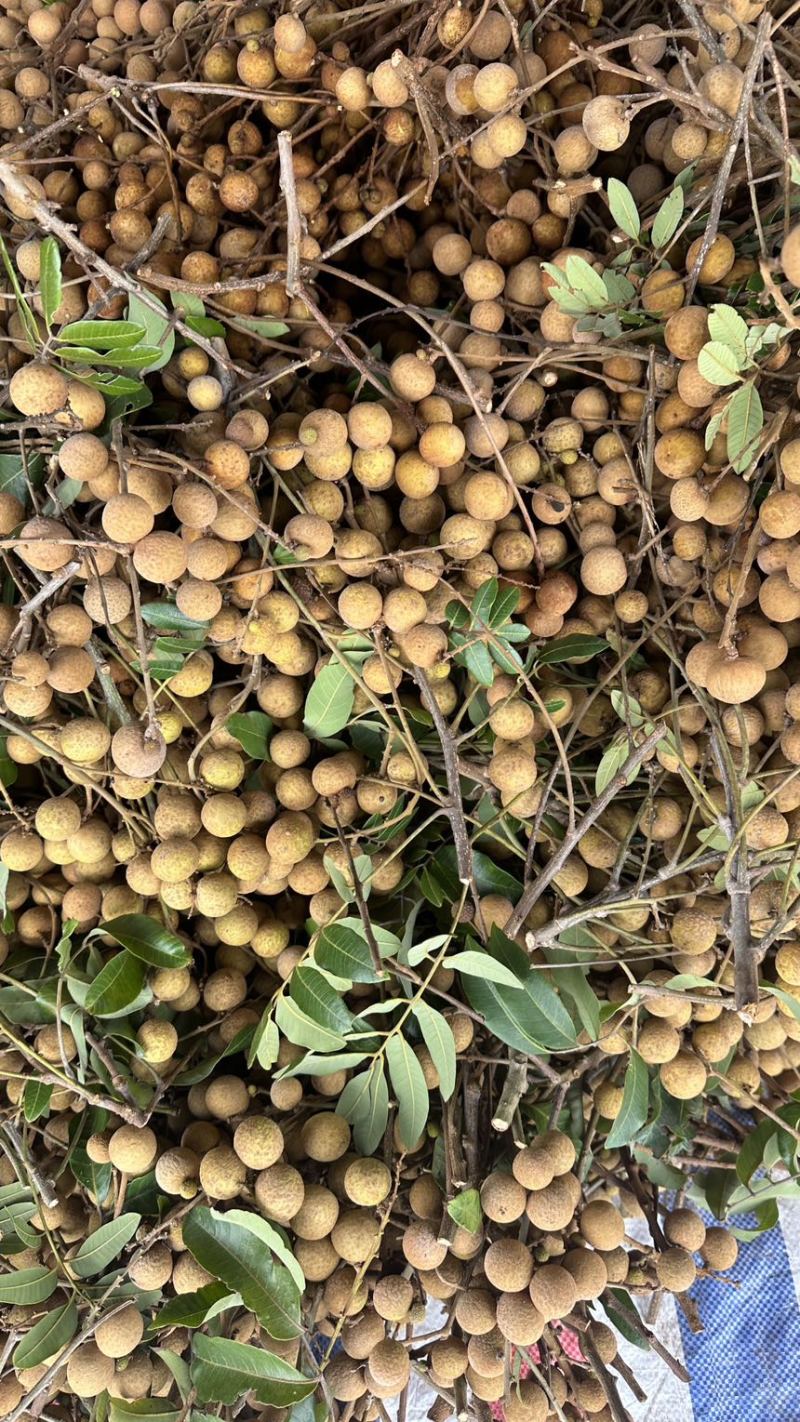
[
  {"x": 274, "y": 1240},
  {"x": 252, "y": 731},
  {"x": 477, "y": 659},
  {"x": 573, "y": 981},
  {"x": 718, "y": 364},
  {"x": 745, "y": 422},
  {"x": 627, "y": 1322},
  {"x": 158, "y": 331},
  {"x": 531, "y": 1019},
  {"x": 104, "y": 1245},
  {"x": 623, "y": 208},
  {"x": 49, "y": 278},
  {"x": 13, "y": 475},
  {"x": 135, "y": 358},
  {"x": 265, "y": 1043},
  {"x": 635, "y": 1101},
  {"x": 227, "y": 1251},
  {"x": 192, "y": 1310},
  {"x": 437, "y": 1035},
  {"x": 667, "y": 219},
  {"x": 315, "y": 1065},
  {"x": 752, "y": 1152},
  {"x": 586, "y": 282},
  {"x": 116, "y": 986},
  {"x": 36, "y": 1099},
  {"x": 223, "y": 1371},
  {"x": 165, "y": 617},
  {"x": 365, "y": 1104},
  {"x": 8, "y": 767},
  {"x": 303, "y": 1030},
  {"x": 727, "y": 326},
  {"x": 466, "y": 1210},
  {"x": 329, "y": 703},
  {"x": 345, "y": 952},
  {"x": 408, "y": 1082},
  {"x": 784, "y": 997},
  {"x": 147, "y": 940},
  {"x": 611, "y": 763},
  {"x": 482, "y": 965},
  {"x": 202, "y": 1069},
  {"x": 47, "y": 1337},
  {"x": 156, "y": 1409},
  {"x": 102, "y": 335},
  {"x": 28, "y": 1286},
  {"x": 270, "y": 329},
  {"x": 316, "y": 998},
  {"x": 579, "y": 647}
]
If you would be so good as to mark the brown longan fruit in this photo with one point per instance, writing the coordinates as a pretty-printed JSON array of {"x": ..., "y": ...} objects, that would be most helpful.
[
  {"x": 684, "y": 1076},
  {"x": 38, "y": 389},
  {"x": 503, "y": 1199},
  {"x": 44, "y": 544},
  {"x": 685, "y": 1228},
  {"x": 325, "y": 1137},
  {"x": 526, "y": 1402},
  {"x": 717, "y": 261},
  {"x": 676, "y": 1270},
  {"x": 117, "y": 1336},
  {"x": 388, "y": 1368},
  {"x": 605, "y": 123},
  {"x": 603, "y": 571},
  {"x": 367, "y": 1182},
  {"x": 392, "y": 1297},
  {"x": 588, "y": 1271},
  {"x": 138, "y": 751},
  {"x": 686, "y": 332},
  {"x": 133, "y": 1149},
  {"x": 412, "y": 376},
  {"x": 89, "y": 1371},
  {"x": 790, "y": 256},
  {"x": 719, "y": 1249},
  {"x": 508, "y": 1265},
  {"x": 602, "y": 1225},
  {"x": 553, "y": 1291}
]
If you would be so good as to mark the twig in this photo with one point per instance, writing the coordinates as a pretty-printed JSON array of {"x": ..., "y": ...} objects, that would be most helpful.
[
  {"x": 514, "y": 1088},
  {"x": 615, "y": 1405},
  {"x": 293, "y": 228},
  {"x": 455, "y": 806},
  {"x": 45, "y": 591},
  {"x": 534, "y": 890},
  {"x": 726, "y": 166}
]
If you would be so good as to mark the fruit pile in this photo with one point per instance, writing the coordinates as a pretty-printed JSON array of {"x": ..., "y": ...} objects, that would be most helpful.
[{"x": 400, "y": 705}]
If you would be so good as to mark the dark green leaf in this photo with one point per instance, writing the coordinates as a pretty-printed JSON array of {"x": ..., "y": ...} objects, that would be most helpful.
[
  {"x": 752, "y": 1152},
  {"x": 274, "y": 1238},
  {"x": 8, "y": 767},
  {"x": 116, "y": 986},
  {"x": 531, "y": 1019},
  {"x": 316, "y": 998},
  {"x": 632, "y": 1113},
  {"x": 624, "y": 1317},
  {"x": 30, "y": 1007},
  {"x": 104, "y": 1245},
  {"x": 329, "y": 703},
  {"x": 223, "y": 1370},
  {"x": 578, "y": 647},
  {"x": 28, "y": 1286},
  {"x": 36, "y": 1099},
  {"x": 252, "y": 731},
  {"x": 227, "y": 1251},
  {"x": 47, "y": 1337},
  {"x": 13, "y": 478},
  {"x": 437, "y": 1035},
  {"x": 147, "y": 940},
  {"x": 303, "y": 1030},
  {"x": 345, "y": 952},
  {"x": 192, "y": 1310},
  {"x": 202, "y": 1069},
  {"x": 407, "y": 1079}
]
